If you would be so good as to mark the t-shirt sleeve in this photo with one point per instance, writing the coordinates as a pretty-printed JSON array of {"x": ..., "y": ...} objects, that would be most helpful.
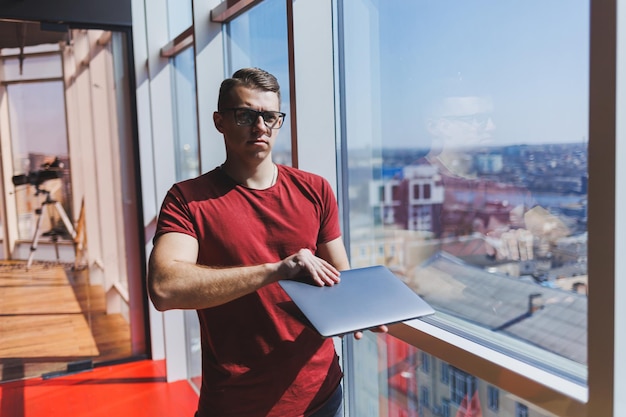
[
  {"x": 329, "y": 226},
  {"x": 175, "y": 215}
]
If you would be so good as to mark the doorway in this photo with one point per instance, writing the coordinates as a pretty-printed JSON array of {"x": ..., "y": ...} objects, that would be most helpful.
[{"x": 71, "y": 271}]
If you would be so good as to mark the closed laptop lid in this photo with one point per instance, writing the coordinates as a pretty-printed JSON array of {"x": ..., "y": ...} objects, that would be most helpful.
[{"x": 364, "y": 298}]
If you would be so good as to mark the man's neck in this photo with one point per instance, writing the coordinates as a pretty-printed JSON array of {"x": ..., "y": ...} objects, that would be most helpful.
[{"x": 258, "y": 177}]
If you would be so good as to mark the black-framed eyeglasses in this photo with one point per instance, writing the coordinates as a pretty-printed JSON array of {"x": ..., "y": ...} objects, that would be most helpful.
[{"x": 248, "y": 117}]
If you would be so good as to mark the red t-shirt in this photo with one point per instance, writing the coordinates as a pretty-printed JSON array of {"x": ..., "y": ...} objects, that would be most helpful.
[{"x": 258, "y": 356}]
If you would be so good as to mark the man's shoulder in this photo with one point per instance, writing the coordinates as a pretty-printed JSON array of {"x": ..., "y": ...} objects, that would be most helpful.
[
  {"x": 299, "y": 174},
  {"x": 313, "y": 186},
  {"x": 200, "y": 184}
]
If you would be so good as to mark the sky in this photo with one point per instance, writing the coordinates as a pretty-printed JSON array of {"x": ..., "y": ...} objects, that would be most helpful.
[
  {"x": 529, "y": 58},
  {"x": 525, "y": 60}
]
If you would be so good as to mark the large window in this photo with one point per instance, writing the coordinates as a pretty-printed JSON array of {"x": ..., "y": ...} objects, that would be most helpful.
[
  {"x": 467, "y": 173},
  {"x": 485, "y": 232}
]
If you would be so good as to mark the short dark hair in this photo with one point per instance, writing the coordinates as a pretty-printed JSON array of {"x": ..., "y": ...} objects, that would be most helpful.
[{"x": 253, "y": 78}]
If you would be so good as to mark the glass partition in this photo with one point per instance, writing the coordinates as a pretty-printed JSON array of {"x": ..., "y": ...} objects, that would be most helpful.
[
  {"x": 70, "y": 292},
  {"x": 467, "y": 176}
]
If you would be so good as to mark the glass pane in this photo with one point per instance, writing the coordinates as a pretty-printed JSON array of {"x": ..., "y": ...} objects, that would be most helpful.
[
  {"x": 179, "y": 17},
  {"x": 467, "y": 165},
  {"x": 185, "y": 115},
  {"x": 38, "y": 136},
  {"x": 194, "y": 353},
  {"x": 258, "y": 38},
  {"x": 395, "y": 379},
  {"x": 187, "y": 166}
]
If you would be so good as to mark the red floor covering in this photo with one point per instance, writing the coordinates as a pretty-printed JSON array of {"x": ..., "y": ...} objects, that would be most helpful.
[{"x": 134, "y": 389}]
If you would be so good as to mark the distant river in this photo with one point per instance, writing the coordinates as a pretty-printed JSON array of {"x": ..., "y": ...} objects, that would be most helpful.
[{"x": 528, "y": 199}]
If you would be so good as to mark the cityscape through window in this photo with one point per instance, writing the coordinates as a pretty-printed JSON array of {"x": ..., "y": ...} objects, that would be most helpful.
[{"x": 467, "y": 164}]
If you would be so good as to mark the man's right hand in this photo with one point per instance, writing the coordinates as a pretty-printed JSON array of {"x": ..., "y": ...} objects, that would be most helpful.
[{"x": 304, "y": 262}]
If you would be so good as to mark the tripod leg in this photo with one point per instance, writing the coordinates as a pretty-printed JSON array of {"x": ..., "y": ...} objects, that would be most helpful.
[
  {"x": 66, "y": 220},
  {"x": 33, "y": 245},
  {"x": 55, "y": 241}
]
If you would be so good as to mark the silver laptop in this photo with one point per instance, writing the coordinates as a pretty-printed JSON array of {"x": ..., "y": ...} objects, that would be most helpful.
[{"x": 364, "y": 298}]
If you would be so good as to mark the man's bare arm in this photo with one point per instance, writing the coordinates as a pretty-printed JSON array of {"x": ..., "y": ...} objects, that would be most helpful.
[
  {"x": 335, "y": 253},
  {"x": 175, "y": 281}
]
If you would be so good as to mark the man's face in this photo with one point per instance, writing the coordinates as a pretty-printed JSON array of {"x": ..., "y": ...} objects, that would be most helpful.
[
  {"x": 464, "y": 121},
  {"x": 248, "y": 142}
]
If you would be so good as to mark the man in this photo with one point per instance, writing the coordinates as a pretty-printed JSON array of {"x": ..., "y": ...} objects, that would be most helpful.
[{"x": 223, "y": 241}]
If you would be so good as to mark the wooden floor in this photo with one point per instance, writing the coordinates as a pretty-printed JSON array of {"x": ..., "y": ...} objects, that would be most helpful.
[
  {"x": 50, "y": 316},
  {"x": 137, "y": 389}
]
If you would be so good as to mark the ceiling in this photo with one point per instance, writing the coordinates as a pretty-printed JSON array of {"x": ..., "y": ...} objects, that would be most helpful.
[{"x": 14, "y": 34}]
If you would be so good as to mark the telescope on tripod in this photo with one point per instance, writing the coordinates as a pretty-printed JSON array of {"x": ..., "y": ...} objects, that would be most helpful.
[{"x": 50, "y": 171}]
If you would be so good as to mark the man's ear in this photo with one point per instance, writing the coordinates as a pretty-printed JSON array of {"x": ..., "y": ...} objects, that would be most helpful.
[{"x": 218, "y": 121}]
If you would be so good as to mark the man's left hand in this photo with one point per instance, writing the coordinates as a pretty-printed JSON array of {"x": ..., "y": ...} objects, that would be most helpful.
[{"x": 378, "y": 329}]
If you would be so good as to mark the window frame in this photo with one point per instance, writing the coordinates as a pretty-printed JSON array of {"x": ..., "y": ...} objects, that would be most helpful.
[
  {"x": 444, "y": 378},
  {"x": 425, "y": 362},
  {"x": 424, "y": 398},
  {"x": 521, "y": 410},
  {"x": 493, "y": 395}
]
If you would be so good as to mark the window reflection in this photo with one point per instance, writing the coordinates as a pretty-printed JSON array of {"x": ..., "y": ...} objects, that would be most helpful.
[
  {"x": 412, "y": 389},
  {"x": 467, "y": 167}
]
